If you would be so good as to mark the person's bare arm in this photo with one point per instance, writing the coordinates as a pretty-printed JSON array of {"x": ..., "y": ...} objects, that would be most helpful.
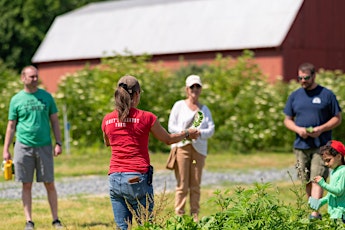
[
  {"x": 161, "y": 134},
  {"x": 291, "y": 125},
  {"x": 11, "y": 129},
  {"x": 106, "y": 139},
  {"x": 329, "y": 125},
  {"x": 54, "y": 120}
]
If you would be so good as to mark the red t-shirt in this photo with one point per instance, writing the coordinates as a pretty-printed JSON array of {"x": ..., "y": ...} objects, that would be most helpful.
[{"x": 129, "y": 140}]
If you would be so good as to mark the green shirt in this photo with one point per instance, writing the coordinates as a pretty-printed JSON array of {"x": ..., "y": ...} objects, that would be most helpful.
[
  {"x": 32, "y": 112},
  {"x": 336, "y": 192}
]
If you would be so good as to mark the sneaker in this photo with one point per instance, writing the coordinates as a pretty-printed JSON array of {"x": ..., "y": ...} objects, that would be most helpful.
[
  {"x": 57, "y": 224},
  {"x": 312, "y": 217},
  {"x": 29, "y": 225}
]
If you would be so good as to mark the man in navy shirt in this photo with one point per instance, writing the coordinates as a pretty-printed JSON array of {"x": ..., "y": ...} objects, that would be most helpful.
[{"x": 311, "y": 111}]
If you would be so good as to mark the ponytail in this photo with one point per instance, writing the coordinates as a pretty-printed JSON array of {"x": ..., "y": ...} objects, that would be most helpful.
[
  {"x": 123, "y": 100},
  {"x": 127, "y": 86}
]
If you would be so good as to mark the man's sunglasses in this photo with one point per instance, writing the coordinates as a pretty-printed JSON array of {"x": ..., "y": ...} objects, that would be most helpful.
[
  {"x": 195, "y": 86},
  {"x": 306, "y": 78}
]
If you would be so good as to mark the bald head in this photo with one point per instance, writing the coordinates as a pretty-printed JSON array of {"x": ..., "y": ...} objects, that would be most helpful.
[
  {"x": 29, "y": 68},
  {"x": 29, "y": 77}
]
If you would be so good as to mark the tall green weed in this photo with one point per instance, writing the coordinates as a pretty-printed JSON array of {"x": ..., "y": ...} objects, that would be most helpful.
[{"x": 250, "y": 209}]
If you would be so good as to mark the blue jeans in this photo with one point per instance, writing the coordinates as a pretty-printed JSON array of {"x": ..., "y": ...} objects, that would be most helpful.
[{"x": 123, "y": 193}]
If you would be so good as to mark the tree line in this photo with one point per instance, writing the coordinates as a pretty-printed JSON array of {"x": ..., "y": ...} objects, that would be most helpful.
[{"x": 23, "y": 25}]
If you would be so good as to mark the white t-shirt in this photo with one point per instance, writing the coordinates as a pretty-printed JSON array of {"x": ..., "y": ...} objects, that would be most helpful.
[{"x": 181, "y": 115}]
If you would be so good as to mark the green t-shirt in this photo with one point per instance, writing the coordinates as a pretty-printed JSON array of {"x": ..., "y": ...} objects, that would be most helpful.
[
  {"x": 32, "y": 112},
  {"x": 336, "y": 192}
]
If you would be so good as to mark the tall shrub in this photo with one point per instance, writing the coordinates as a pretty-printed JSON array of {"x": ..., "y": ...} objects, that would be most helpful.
[
  {"x": 89, "y": 95},
  {"x": 246, "y": 108},
  {"x": 335, "y": 80},
  {"x": 10, "y": 84}
]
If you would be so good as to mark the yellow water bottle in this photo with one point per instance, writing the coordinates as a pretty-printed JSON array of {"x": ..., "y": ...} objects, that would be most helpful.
[{"x": 7, "y": 167}]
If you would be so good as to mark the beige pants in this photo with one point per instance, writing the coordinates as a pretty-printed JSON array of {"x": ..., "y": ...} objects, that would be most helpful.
[{"x": 188, "y": 172}]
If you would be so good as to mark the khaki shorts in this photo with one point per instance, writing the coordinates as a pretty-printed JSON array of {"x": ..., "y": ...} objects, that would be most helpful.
[
  {"x": 28, "y": 159},
  {"x": 309, "y": 164}
]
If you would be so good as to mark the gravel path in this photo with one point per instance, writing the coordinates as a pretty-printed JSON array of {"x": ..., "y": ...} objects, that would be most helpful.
[{"x": 98, "y": 185}]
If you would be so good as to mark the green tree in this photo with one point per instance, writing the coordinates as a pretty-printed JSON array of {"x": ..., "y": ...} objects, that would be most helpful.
[{"x": 23, "y": 25}]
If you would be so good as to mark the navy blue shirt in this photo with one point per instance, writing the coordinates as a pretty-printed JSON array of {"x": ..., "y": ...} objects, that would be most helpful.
[{"x": 312, "y": 108}]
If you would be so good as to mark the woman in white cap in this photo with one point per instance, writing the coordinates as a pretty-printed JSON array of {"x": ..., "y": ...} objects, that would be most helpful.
[
  {"x": 190, "y": 154},
  {"x": 126, "y": 130}
]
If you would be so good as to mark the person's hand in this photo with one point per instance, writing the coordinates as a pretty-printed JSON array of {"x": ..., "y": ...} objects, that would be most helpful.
[
  {"x": 193, "y": 133},
  {"x": 317, "y": 179},
  {"x": 57, "y": 150},
  {"x": 316, "y": 132},
  {"x": 302, "y": 132},
  {"x": 314, "y": 203},
  {"x": 6, "y": 156}
]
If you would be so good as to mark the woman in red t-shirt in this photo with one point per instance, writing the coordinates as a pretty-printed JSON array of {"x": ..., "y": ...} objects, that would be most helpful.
[{"x": 126, "y": 130}]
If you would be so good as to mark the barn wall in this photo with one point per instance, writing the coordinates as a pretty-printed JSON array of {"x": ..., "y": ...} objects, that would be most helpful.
[
  {"x": 51, "y": 72},
  {"x": 269, "y": 61},
  {"x": 317, "y": 36}
]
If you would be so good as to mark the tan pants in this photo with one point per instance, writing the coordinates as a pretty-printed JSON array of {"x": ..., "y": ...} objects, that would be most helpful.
[{"x": 188, "y": 172}]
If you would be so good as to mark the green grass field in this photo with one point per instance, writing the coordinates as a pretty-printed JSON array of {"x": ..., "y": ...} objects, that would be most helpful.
[{"x": 94, "y": 212}]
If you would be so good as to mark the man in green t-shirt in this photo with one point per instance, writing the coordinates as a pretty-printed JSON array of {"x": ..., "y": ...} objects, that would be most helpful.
[{"x": 32, "y": 114}]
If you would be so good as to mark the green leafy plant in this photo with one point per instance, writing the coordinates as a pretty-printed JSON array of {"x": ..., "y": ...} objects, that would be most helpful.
[{"x": 250, "y": 209}]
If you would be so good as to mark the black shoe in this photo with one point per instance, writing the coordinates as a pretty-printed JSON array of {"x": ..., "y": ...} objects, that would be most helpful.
[
  {"x": 57, "y": 224},
  {"x": 29, "y": 225}
]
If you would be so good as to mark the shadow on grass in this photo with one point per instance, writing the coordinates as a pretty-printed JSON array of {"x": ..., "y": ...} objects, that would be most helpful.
[{"x": 98, "y": 224}]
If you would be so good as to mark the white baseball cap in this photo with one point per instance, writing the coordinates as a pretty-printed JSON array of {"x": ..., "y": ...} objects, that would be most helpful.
[{"x": 193, "y": 79}]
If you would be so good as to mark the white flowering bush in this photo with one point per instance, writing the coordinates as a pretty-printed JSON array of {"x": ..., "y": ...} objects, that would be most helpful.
[
  {"x": 246, "y": 108},
  {"x": 10, "y": 84},
  {"x": 89, "y": 94},
  {"x": 335, "y": 81}
]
